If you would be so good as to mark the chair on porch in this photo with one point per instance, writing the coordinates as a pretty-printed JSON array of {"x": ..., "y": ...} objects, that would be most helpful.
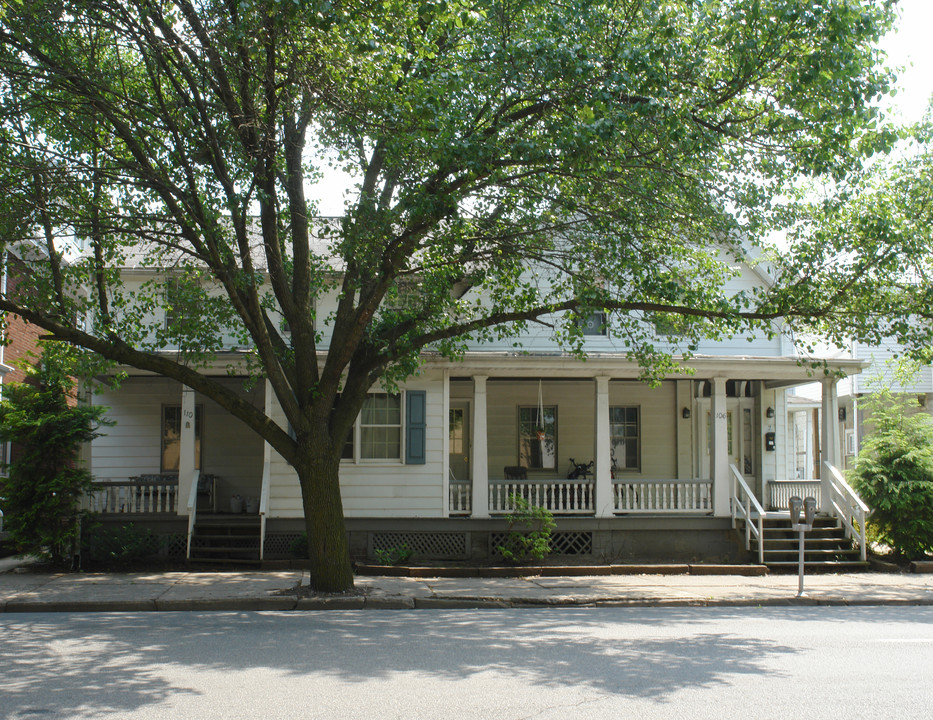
[
  {"x": 515, "y": 472},
  {"x": 207, "y": 491},
  {"x": 518, "y": 472}
]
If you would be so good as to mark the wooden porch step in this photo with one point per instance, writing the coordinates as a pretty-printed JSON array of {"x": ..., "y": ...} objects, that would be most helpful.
[
  {"x": 826, "y": 546},
  {"x": 821, "y": 565},
  {"x": 227, "y": 539},
  {"x": 251, "y": 562}
]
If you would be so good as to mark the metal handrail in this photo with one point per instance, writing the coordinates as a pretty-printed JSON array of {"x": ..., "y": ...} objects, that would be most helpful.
[
  {"x": 745, "y": 508},
  {"x": 849, "y": 505},
  {"x": 264, "y": 506},
  {"x": 192, "y": 509}
]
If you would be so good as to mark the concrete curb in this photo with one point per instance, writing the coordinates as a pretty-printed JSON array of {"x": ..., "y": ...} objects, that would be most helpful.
[
  {"x": 508, "y": 571},
  {"x": 317, "y": 604}
]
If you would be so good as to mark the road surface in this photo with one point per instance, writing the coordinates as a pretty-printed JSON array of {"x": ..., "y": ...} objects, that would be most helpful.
[{"x": 456, "y": 664}]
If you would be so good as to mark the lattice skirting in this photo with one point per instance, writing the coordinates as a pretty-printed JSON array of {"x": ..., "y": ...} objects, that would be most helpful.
[
  {"x": 562, "y": 543},
  {"x": 173, "y": 546},
  {"x": 285, "y": 545},
  {"x": 439, "y": 545}
]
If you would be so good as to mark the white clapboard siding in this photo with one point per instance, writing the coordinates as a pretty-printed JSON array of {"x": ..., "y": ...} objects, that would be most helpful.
[{"x": 379, "y": 489}]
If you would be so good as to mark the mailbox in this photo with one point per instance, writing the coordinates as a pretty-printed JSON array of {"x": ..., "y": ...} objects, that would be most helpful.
[{"x": 769, "y": 441}]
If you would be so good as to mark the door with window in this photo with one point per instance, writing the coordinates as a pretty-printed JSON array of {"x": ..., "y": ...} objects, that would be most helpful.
[
  {"x": 739, "y": 433},
  {"x": 458, "y": 443}
]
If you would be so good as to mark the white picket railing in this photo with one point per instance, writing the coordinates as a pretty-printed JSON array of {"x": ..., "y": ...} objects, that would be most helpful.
[
  {"x": 563, "y": 497},
  {"x": 745, "y": 506},
  {"x": 780, "y": 491},
  {"x": 143, "y": 494},
  {"x": 662, "y": 496},
  {"x": 461, "y": 498},
  {"x": 848, "y": 507}
]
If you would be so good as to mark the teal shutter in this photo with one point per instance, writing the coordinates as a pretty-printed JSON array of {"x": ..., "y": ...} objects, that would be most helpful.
[{"x": 415, "y": 441}]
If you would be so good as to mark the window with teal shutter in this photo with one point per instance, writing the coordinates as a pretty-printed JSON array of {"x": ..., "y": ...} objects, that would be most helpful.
[{"x": 415, "y": 427}]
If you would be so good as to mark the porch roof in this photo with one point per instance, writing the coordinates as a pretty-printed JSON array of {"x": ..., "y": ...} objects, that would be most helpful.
[{"x": 775, "y": 372}]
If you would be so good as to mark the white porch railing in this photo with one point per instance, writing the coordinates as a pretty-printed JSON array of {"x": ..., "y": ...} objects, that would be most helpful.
[
  {"x": 662, "y": 496},
  {"x": 563, "y": 497},
  {"x": 780, "y": 491},
  {"x": 848, "y": 507},
  {"x": 745, "y": 506},
  {"x": 143, "y": 494},
  {"x": 192, "y": 509},
  {"x": 461, "y": 498}
]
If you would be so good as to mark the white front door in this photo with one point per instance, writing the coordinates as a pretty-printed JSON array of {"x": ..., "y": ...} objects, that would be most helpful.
[
  {"x": 458, "y": 441},
  {"x": 740, "y": 434}
]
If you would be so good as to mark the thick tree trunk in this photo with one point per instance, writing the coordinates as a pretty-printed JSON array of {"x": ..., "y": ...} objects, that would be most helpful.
[{"x": 319, "y": 476}]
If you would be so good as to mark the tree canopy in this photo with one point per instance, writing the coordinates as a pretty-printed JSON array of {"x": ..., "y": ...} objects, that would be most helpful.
[{"x": 558, "y": 158}]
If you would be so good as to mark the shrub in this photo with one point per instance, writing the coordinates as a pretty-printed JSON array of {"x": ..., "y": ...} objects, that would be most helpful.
[
  {"x": 117, "y": 546},
  {"x": 298, "y": 548},
  {"x": 530, "y": 529},
  {"x": 394, "y": 555},
  {"x": 894, "y": 475},
  {"x": 47, "y": 428}
]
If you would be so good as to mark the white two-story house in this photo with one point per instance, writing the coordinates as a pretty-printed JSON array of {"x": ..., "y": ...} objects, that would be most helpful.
[{"x": 677, "y": 472}]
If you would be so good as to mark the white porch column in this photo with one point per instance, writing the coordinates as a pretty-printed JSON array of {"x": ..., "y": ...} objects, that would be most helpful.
[
  {"x": 829, "y": 439},
  {"x": 186, "y": 449},
  {"x": 603, "y": 484},
  {"x": 480, "y": 457},
  {"x": 719, "y": 448}
]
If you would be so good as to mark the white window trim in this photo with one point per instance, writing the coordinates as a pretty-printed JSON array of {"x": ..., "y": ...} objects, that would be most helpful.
[{"x": 358, "y": 435}]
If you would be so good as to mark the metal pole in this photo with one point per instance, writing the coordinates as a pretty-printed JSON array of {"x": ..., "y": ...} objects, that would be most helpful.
[{"x": 800, "y": 563}]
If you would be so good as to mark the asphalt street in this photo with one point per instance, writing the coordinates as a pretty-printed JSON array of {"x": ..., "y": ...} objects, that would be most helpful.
[{"x": 542, "y": 663}]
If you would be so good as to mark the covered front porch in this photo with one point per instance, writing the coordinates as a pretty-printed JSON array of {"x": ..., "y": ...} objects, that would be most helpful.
[{"x": 673, "y": 449}]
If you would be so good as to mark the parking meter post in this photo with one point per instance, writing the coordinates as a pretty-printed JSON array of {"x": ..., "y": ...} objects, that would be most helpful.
[
  {"x": 800, "y": 564},
  {"x": 807, "y": 507}
]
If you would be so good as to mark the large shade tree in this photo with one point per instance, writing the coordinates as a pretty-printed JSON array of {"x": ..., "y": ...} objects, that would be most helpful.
[{"x": 555, "y": 158}]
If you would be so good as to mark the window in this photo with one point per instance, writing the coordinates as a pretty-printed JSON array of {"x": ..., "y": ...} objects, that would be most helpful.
[
  {"x": 625, "y": 437},
  {"x": 4, "y": 457},
  {"x": 537, "y": 437},
  {"x": 171, "y": 437},
  {"x": 381, "y": 427},
  {"x": 174, "y": 300},
  {"x": 594, "y": 324},
  {"x": 851, "y": 446}
]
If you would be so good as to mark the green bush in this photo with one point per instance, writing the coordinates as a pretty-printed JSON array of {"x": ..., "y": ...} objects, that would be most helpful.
[
  {"x": 298, "y": 548},
  {"x": 894, "y": 475},
  {"x": 530, "y": 529},
  {"x": 44, "y": 485},
  {"x": 394, "y": 555},
  {"x": 117, "y": 546}
]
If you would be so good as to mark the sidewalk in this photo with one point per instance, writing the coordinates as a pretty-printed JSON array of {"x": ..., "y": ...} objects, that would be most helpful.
[{"x": 278, "y": 590}]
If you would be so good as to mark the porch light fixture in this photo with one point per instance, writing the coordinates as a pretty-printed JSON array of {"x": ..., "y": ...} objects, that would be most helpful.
[
  {"x": 769, "y": 412},
  {"x": 842, "y": 414},
  {"x": 686, "y": 413}
]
